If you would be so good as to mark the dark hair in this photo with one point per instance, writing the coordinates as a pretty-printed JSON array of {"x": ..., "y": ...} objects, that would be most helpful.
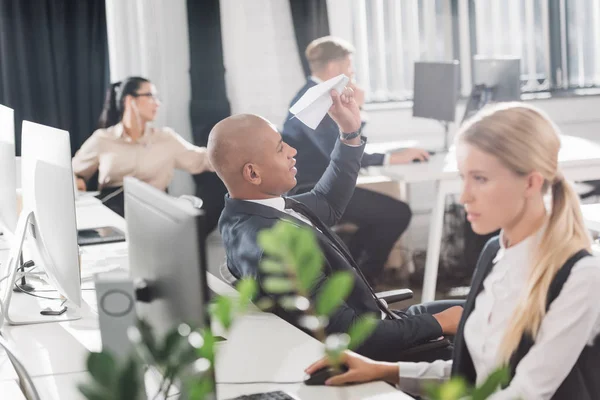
[{"x": 114, "y": 102}]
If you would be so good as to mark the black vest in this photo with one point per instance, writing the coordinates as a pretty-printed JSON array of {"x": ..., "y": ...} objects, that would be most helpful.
[{"x": 582, "y": 383}]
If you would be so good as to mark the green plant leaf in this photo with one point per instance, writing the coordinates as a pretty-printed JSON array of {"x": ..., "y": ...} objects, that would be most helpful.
[
  {"x": 265, "y": 303},
  {"x": 170, "y": 343},
  {"x": 208, "y": 349},
  {"x": 270, "y": 266},
  {"x": 268, "y": 241},
  {"x": 130, "y": 387},
  {"x": 308, "y": 258},
  {"x": 335, "y": 345},
  {"x": 247, "y": 288},
  {"x": 361, "y": 330},
  {"x": 432, "y": 391},
  {"x": 453, "y": 389},
  {"x": 334, "y": 292},
  {"x": 199, "y": 389},
  {"x": 148, "y": 338},
  {"x": 102, "y": 367},
  {"x": 278, "y": 285},
  {"x": 222, "y": 310},
  {"x": 94, "y": 392},
  {"x": 501, "y": 376}
]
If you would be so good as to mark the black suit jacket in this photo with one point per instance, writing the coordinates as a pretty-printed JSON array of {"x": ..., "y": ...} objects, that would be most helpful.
[
  {"x": 315, "y": 147},
  {"x": 242, "y": 220}
]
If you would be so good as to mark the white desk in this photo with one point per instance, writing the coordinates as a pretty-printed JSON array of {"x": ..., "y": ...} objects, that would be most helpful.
[
  {"x": 579, "y": 160},
  {"x": 11, "y": 390},
  {"x": 260, "y": 347}
]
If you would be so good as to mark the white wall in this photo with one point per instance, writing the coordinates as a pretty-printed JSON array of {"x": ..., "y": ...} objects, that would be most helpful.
[
  {"x": 263, "y": 70},
  {"x": 150, "y": 38}
]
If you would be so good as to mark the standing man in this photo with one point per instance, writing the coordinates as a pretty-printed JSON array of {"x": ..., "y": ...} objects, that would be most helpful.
[{"x": 380, "y": 219}]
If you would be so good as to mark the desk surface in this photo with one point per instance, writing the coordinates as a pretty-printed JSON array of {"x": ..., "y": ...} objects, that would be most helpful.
[
  {"x": 575, "y": 151},
  {"x": 11, "y": 390},
  {"x": 260, "y": 347}
]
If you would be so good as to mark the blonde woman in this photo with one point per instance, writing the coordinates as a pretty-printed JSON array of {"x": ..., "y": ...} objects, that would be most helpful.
[{"x": 534, "y": 303}]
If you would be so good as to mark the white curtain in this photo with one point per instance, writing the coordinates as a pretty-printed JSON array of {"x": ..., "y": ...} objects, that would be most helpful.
[
  {"x": 263, "y": 69},
  {"x": 149, "y": 38}
]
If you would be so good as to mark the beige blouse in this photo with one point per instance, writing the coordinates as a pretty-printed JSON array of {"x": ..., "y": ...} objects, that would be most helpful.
[{"x": 151, "y": 159}]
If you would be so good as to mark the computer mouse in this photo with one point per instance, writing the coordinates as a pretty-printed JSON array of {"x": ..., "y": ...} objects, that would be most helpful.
[
  {"x": 416, "y": 160},
  {"x": 320, "y": 376}
]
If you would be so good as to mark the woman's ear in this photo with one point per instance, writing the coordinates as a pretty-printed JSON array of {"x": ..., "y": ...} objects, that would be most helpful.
[
  {"x": 534, "y": 184},
  {"x": 251, "y": 174}
]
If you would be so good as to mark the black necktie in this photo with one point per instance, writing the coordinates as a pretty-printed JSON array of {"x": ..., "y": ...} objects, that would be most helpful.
[{"x": 302, "y": 209}]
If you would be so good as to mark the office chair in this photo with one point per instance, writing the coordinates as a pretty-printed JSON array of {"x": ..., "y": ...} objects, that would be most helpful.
[
  {"x": 25, "y": 381},
  {"x": 389, "y": 296}
]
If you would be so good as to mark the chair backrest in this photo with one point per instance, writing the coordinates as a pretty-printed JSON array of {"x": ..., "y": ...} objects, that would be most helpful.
[{"x": 226, "y": 274}]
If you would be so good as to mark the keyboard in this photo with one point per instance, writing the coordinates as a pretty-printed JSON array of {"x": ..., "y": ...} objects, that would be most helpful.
[{"x": 266, "y": 396}]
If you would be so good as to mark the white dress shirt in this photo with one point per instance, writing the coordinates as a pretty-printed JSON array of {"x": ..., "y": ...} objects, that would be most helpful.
[{"x": 571, "y": 323}]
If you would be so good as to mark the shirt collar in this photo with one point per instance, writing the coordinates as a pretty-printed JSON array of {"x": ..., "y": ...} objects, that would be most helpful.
[
  {"x": 315, "y": 79},
  {"x": 277, "y": 203},
  {"x": 520, "y": 249},
  {"x": 119, "y": 132}
]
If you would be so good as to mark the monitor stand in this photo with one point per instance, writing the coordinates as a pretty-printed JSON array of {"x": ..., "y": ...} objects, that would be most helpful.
[
  {"x": 27, "y": 311},
  {"x": 481, "y": 95}
]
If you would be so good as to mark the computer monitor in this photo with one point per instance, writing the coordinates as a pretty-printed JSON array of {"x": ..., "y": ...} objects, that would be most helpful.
[
  {"x": 436, "y": 90},
  {"x": 494, "y": 80},
  {"x": 47, "y": 220},
  {"x": 8, "y": 172},
  {"x": 167, "y": 253},
  {"x": 501, "y": 75}
]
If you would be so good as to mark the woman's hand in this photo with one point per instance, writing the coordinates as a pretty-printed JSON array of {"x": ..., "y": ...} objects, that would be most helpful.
[{"x": 360, "y": 369}]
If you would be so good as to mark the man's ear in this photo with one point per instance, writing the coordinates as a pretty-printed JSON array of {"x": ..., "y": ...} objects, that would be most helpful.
[
  {"x": 535, "y": 182},
  {"x": 251, "y": 174}
]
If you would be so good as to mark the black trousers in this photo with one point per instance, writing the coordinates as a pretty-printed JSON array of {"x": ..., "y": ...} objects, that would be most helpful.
[{"x": 381, "y": 220}]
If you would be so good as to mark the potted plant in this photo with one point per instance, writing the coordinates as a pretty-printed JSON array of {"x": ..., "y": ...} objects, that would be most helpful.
[{"x": 185, "y": 356}]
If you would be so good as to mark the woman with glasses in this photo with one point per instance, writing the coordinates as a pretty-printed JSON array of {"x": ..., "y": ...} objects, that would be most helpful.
[{"x": 127, "y": 145}]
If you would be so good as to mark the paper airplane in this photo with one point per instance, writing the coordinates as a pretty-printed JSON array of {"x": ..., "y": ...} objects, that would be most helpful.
[{"x": 312, "y": 107}]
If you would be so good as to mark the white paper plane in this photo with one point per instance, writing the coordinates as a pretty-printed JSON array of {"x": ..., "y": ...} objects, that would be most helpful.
[{"x": 312, "y": 107}]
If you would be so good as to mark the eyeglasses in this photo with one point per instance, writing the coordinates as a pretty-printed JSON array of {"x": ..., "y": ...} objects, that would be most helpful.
[{"x": 153, "y": 96}]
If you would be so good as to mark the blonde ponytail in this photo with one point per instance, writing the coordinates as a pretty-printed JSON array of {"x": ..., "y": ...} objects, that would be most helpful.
[
  {"x": 565, "y": 234},
  {"x": 525, "y": 140}
]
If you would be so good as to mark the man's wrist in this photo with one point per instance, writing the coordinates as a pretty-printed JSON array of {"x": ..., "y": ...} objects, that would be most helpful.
[
  {"x": 353, "y": 138},
  {"x": 349, "y": 136}
]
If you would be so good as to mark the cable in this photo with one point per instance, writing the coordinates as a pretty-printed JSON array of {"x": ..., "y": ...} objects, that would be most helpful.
[{"x": 35, "y": 295}]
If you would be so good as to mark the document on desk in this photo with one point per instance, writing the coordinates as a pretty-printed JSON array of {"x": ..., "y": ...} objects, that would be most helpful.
[{"x": 314, "y": 104}]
